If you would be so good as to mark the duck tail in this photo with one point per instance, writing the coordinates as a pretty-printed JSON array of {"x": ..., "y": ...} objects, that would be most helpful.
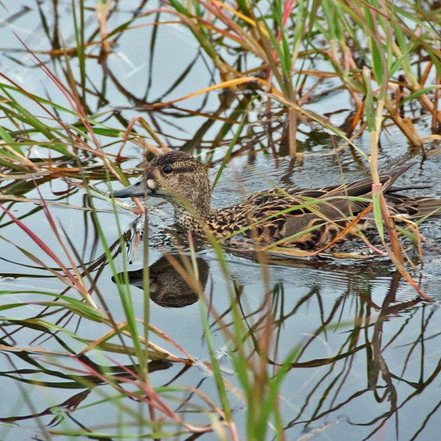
[
  {"x": 364, "y": 187},
  {"x": 388, "y": 179}
]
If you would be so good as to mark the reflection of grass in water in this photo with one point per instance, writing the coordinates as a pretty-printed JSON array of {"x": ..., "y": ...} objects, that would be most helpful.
[
  {"x": 261, "y": 357},
  {"x": 365, "y": 48}
]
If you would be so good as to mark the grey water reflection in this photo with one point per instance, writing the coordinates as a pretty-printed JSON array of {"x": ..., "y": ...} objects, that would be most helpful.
[
  {"x": 368, "y": 360},
  {"x": 367, "y": 364}
]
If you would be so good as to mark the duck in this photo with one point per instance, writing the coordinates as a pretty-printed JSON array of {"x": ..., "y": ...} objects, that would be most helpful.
[{"x": 307, "y": 219}]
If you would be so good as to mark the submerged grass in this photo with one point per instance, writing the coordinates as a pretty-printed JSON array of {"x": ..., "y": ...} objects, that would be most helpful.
[{"x": 385, "y": 55}]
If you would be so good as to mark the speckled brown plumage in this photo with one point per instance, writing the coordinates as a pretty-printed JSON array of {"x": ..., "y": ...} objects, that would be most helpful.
[{"x": 306, "y": 219}]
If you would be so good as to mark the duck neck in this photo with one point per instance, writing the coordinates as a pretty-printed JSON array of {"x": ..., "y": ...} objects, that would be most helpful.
[{"x": 195, "y": 218}]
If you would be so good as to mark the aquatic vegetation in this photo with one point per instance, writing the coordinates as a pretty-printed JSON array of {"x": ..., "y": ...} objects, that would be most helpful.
[{"x": 271, "y": 344}]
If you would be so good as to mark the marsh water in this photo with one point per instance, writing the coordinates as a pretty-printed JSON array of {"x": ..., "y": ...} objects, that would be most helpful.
[{"x": 369, "y": 363}]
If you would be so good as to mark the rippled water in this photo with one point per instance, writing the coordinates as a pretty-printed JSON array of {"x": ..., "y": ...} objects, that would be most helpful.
[{"x": 369, "y": 362}]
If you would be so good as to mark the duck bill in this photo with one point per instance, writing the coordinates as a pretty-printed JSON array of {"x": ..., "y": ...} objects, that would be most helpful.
[{"x": 136, "y": 189}]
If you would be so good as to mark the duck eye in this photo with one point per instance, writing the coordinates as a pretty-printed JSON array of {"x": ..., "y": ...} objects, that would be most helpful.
[{"x": 167, "y": 169}]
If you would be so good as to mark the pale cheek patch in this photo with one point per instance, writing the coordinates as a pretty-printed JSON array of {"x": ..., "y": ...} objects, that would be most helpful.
[{"x": 151, "y": 184}]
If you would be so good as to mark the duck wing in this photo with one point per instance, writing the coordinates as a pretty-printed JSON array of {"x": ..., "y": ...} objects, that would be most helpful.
[
  {"x": 362, "y": 188},
  {"x": 312, "y": 218}
]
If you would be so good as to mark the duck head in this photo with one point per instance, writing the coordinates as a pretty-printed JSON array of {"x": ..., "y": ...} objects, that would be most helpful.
[{"x": 177, "y": 177}]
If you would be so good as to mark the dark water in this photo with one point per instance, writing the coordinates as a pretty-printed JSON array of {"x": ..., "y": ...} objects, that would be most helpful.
[{"x": 370, "y": 359}]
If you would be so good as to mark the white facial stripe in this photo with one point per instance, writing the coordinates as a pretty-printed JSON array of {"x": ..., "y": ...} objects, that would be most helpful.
[{"x": 151, "y": 184}]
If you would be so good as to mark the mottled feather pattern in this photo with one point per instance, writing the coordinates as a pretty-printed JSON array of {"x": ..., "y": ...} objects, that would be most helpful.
[{"x": 304, "y": 218}]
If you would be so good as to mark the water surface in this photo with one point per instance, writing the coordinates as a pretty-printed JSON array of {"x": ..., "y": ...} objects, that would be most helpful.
[{"x": 369, "y": 350}]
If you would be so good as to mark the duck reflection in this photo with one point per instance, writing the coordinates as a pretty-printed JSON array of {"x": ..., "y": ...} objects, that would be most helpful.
[{"x": 173, "y": 283}]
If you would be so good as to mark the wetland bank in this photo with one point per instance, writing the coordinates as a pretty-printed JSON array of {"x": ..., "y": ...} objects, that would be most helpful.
[{"x": 109, "y": 333}]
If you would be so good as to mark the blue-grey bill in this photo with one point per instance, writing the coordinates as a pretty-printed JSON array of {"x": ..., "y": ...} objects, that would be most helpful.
[{"x": 136, "y": 189}]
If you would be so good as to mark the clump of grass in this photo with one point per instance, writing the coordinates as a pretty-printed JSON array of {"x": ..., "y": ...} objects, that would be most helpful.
[{"x": 392, "y": 40}]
